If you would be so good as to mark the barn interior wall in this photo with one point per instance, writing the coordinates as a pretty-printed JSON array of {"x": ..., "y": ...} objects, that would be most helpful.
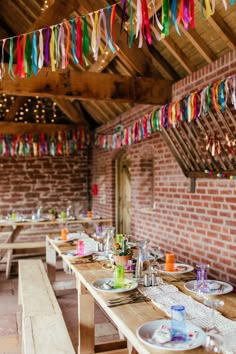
[{"x": 197, "y": 227}]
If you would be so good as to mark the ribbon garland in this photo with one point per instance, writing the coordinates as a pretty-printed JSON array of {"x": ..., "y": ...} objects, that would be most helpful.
[
  {"x": 188, "y": 109},
  {"x": 57, "y": 144},
  {"x": 35, "y": 48}
]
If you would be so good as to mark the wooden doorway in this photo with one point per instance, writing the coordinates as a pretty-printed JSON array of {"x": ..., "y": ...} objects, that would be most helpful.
[{"x": 123, "y": 195}]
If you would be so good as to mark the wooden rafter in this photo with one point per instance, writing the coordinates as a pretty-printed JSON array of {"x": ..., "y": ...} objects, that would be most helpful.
[
  {"x": 87, "y": 85},
  {"x": 203, "y": 49},
  {"x": 20, "y": 128},
  {"x": 223, "y": 30}
]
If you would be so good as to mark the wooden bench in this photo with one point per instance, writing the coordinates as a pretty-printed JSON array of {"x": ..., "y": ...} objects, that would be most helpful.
[
  {"x": 43, "y": 327},
  {"x": 10, "y": 247}
]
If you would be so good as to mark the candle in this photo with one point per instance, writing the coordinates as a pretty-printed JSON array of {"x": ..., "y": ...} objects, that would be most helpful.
[
  {"x": 170, "y": 262},
  {"x": 64, "y": 233}
]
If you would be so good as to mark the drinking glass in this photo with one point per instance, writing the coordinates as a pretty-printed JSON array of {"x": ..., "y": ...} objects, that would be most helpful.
[
  {"x": 178, "y": 324},
  {"x": 202, "y": 285},
  {"x": 214, "y": 338}
]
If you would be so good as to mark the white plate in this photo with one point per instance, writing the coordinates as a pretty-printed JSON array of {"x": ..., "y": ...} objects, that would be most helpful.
[
  {"x": 130, "y": 285},
  {"x": 146, "y": 331},
  {"x": 224, "y": 288},
  {"x": 73, "y": 254},
  {"x": 58, "y": 241},
  {"x": 179, "y": 268}
]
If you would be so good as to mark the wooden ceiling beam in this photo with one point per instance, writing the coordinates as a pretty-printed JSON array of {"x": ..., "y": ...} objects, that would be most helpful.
[
  {"x": 88, "y": 85},
  {"x": 223, "y": 30},
  {"x": 70, "y": 111},
  {"x": 22, "y": 128},
  {"x": 198, "y": 43}
]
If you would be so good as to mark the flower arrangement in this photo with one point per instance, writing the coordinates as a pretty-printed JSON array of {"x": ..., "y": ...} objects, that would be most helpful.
[{"x": 122, "y": 251}]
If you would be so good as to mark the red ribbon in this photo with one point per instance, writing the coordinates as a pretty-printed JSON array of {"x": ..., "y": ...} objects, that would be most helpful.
[
  {"x": 19, "y": 57},
  {"x": 145, "y": 22},
  {"x": 79, "y": 48}
]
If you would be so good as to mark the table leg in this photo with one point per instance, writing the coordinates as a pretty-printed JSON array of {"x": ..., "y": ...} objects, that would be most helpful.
[
  {"x": 51, "y": 261},
  {"x": 86, "y": 330}
]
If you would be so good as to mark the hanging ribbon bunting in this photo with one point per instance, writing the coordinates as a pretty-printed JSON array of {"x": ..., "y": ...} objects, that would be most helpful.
[
  {"x": 190, "y": 108},
  {"x": 53, "y": 46},
  {"x": 44, "y": 144}
]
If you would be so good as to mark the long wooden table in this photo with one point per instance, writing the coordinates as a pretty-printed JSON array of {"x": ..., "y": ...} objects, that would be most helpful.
[
  {"x": 127, "y": 318},
  {"x": 18, "y": 226}
]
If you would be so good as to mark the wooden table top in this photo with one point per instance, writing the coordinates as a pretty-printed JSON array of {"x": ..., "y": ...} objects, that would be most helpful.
[
  {"x": 129, "y": 317},
  {"x": 28, "y": 222}
]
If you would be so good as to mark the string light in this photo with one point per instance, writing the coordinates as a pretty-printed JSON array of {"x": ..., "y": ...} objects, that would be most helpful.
[{"x": 45, "y": 6}]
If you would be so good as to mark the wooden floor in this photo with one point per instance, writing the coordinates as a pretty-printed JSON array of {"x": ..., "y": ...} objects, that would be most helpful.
[{"x": 10, "y": 324}]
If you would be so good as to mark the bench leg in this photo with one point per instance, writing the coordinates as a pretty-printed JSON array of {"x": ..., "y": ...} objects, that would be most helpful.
[
  {"x": 8, "y": 267},
  {"x": 51, "y": 261}
]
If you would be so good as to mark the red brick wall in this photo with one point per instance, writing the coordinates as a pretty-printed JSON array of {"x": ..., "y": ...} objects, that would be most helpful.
[
  {"x": 197, "y": 227},
  {"x": 27, "y": 183}
]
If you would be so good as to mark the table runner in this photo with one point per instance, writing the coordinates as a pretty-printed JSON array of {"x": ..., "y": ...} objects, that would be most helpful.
[{"x": 164, "y": 296}]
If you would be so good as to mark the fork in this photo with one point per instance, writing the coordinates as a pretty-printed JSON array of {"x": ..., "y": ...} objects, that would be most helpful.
[
  {"x": 127, "y": 301},
  {"x": 122, "y": 298}
]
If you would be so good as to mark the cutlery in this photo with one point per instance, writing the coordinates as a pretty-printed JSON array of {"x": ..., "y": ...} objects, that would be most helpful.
[
  {"x": 126, "y": 302},
  {"x": 122, "y": 298}
]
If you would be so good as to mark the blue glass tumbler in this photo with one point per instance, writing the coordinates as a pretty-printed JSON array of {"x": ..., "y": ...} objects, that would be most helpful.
[{"x": 178, "y": 324}]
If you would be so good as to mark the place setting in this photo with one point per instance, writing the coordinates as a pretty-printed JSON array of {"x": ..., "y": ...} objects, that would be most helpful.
[
  {"x": 174, "y": 334},
  {"x": 206, "y": 287}
]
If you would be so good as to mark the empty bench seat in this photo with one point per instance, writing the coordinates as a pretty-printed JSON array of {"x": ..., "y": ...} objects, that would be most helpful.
[{"x": 43, "y": 327}]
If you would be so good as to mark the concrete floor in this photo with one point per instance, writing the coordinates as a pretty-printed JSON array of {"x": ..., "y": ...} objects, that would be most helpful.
[{"x": 10, "y": 311}]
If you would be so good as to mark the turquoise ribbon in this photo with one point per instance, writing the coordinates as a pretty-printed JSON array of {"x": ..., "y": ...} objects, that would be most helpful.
[
  {"x": 73, "y": 41},
  {"x": 34, "y": 53}
]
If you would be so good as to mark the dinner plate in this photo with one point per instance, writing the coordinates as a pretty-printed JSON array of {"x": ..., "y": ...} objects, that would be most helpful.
[
  {"x": 73, "y": 254},
  {"x": 224, "y": 288},
  {"x": 179, "y": 268},
  {"x": 130, "y": 284},
  {"x": 195, "y": 336}
]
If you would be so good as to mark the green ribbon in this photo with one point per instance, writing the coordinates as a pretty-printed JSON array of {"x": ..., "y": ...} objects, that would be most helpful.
[
  {"x": 10, "y": 68},
  {"x": 131, "y": 34},
  {"x": 28, "y": 57},
  {"x": 85, "y": 41},
  {"x": 165, "y": 9}
]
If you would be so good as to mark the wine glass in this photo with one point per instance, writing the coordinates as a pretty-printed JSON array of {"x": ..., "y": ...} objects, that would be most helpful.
[{"x": 214, "y": 338}]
